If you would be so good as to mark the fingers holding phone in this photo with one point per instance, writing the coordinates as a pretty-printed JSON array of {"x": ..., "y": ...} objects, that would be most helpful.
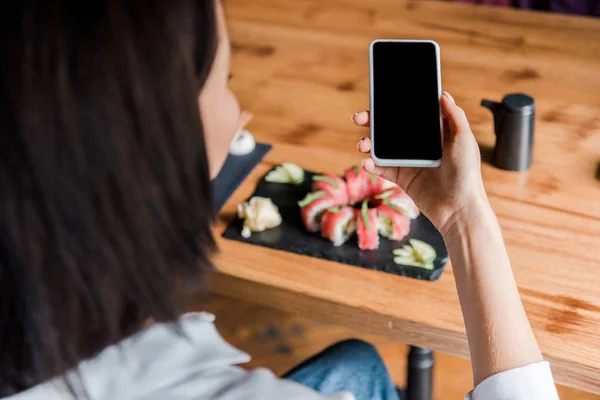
[{"x": 438, "y": 192}]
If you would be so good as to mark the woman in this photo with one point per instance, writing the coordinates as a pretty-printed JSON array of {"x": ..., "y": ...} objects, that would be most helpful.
[{"x": 105, "y": 169}]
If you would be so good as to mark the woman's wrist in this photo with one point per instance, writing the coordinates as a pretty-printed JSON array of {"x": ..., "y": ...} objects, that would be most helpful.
[{"x": 473, "y": 213}]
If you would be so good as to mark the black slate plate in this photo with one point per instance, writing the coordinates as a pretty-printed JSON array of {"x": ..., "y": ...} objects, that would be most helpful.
[{"x": 292, "y": 236}]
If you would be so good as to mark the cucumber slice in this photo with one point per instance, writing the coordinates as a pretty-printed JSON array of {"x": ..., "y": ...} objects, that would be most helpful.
[
  {"x": 322, "y": 178},
  {"x": 388, "y": 185},
  {"x": 278, "y": 175},
  {"x": 408, "y": 258},
  {"x": 423, "y": 251},
  {"x": 416, "y": 254},
  {"x": 402, "y": 208},
  {"x": 384, "y": 195},
  {"x": 365, "y": 214},
  {"x": 310, "y": 197},
  {"x": 286, "y": 173},
  {"x": 403, "y": 253},
  {"x": 411, "y": 262},
  {"x": 296, "y": 173},
  {"x": 408, "y": 247},
  {"x": 394, "y": 206}
]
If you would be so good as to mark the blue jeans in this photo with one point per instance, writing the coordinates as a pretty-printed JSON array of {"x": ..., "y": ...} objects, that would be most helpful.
[{"x": 350, "y": 366}]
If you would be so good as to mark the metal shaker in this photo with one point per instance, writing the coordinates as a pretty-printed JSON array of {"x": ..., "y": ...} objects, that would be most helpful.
[{"x": 514, "y": 120}]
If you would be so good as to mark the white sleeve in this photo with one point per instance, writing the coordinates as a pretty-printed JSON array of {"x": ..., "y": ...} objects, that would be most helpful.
[{"x": 531, "y": 382}]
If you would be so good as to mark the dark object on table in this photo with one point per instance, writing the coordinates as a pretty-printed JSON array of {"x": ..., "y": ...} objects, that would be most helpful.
[
  {"x": 292, "y": 236},
  {"x": 514, "y": 121},
  {"x": 234, "y": 171},
  {"x": 419, "y": 380}
]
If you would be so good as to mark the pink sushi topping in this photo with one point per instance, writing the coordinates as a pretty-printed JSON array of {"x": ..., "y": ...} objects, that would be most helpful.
[{"x": 327, "y": 207}]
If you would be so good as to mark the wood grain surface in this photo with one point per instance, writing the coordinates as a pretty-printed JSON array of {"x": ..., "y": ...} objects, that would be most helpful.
[{"x": 301, "y": 67}]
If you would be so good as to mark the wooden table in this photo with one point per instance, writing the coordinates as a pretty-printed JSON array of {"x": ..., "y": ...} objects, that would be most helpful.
[{"x": 301, "y": 67}]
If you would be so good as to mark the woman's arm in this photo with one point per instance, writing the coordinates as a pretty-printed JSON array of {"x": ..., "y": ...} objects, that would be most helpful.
[
  {"x": 453, "y": 198},
  {"x": 498, "y": 331}
]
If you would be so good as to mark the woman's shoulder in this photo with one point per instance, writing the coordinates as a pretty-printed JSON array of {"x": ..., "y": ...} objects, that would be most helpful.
[{"x": 187, "y": 360}]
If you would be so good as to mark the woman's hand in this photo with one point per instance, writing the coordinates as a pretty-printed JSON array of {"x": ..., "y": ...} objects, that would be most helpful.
[
  {"x": 441, "y": 193},
  {"x": 453, "y": 198}
]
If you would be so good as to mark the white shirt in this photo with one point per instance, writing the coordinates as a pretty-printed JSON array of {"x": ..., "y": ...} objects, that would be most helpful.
[
  {"x": 532, "y": 382},
  {"x": 160, "y": 364}
]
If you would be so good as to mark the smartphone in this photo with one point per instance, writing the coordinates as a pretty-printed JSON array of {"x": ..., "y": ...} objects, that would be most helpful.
[{"x": 406, "y": 124}]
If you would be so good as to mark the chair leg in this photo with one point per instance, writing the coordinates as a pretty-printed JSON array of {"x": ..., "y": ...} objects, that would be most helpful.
[
  {"x": 419, "y": 382},
  {"x": 401, "y": 394}
]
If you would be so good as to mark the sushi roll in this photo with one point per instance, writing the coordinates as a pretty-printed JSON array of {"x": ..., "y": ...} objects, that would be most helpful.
[
  {"x": 391, "y": 222},
  {"x": 331, "y": 184},
  {"x": 313, "y": 206},
  {"x": 378, "y": 185},
  {"x": 368, "y": 236},
  {"x": 358, "y": 184},
  {"x": 398, "y": 198},
  {"x": 338, "y": 224}
]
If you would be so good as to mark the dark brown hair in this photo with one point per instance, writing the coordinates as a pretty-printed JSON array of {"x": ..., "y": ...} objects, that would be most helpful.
[{"x": 105, "y": 195}]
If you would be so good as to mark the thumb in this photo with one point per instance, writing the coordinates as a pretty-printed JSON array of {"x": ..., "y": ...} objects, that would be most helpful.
[{"x": 454, "y": 115}]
